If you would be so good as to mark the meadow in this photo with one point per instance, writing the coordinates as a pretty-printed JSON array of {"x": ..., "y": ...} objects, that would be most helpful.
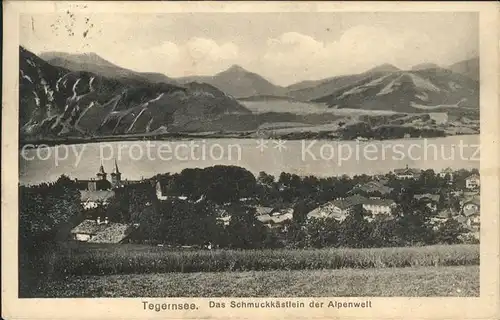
[
  {"x": 454, "y": 281},
  {"x": 139, "y": 259}
]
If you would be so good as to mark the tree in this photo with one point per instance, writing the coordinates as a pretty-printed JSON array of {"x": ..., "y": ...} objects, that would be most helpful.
[
  {"x": 449, "y": 232},
  {"x": 265, "y": 179},
  {"x": 46, "y": 208},
  {"x": 244, "y": 230},
  {"x": 322, "y": 233},
  {"x": 354, "y": 230},
  {"x": 383, "y": 233}
]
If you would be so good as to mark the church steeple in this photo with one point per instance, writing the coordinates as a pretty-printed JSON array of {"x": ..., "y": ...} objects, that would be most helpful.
[
  {"x": 101, "y": 174},
  {"x": 116, "y": 170},
  {"x": 116, "y": 177}
]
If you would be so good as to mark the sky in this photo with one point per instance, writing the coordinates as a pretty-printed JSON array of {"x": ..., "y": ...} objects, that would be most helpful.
[{"x": 285, "y": 48}]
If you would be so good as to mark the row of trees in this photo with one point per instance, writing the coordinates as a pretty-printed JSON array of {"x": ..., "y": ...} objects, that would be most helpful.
[{"x": 365, "y": 130}]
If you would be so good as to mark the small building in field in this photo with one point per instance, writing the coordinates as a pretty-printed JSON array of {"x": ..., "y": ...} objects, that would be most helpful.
[
  {"x": 101, "y": 231},
  {"x": 473, "y": 182}
]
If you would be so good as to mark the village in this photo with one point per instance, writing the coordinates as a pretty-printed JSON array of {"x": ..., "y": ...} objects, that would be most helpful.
[{"x": 456, "y": 198}]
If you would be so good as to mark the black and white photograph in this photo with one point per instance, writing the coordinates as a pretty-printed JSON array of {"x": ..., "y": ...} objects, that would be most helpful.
[{"x": 249, "y": 155}]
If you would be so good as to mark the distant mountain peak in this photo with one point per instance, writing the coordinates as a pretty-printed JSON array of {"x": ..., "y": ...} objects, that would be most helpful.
[
  {"x": 424, "y": 66},
  {"x": 386, "y": 67},
  {"x": 84, "y": 57},
  {"x": 236, "y": 68}
]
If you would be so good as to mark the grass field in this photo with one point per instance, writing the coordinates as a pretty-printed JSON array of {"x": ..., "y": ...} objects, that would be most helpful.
[
  {"x": 131, "y": 259},
  {"x": 385, "y": 282}
]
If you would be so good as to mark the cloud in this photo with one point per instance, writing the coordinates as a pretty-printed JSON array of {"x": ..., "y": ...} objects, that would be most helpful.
[
  {"x": 207, "y": 49},
  {"x": 358, "y": 49},
  {"x": 200, "y": 56}
]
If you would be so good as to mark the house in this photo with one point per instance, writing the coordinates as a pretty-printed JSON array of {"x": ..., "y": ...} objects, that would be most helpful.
[
  {"x": 281, "y": 212},
  {"x": 441, "y": 217},
  {"x": 93, "y": 199},
  {"x": 283, "y": 217},
  {"x": 269, "y": 220},
  {"x": 225, "y": 220},
  {"x": 261, "y": 210},
  {"x": 337, "y": 209},
  {"x": 472, "y": 182},
  {"x": 446, "y": 173},
  {"x": 327, "y": 210},
  {"x": 97, "y": 231},
  {"x": 431, "y": 200},
  {"x": 471, "y": 207},
  {"x": 378, "y": 206},
  {"x": 407, "y": 173},
  {"x": 264, "y": 218},
  {"x": 347, "y": 205},
  {"x": 470, "y": 214}
]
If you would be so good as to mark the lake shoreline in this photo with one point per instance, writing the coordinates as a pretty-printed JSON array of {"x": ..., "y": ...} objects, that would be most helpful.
[{"x": 33, "y": 144}]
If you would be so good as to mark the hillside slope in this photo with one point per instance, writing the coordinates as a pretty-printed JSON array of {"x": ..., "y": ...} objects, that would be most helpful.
[
  {"x": 55, "y": 101},
  {"x": 408, "y": 91},
  {"x": 469, "y": 68},
  {"x": 310, "y": 90}
]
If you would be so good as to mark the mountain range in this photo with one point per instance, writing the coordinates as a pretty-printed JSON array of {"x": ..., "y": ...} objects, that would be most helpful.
[
  {"x": 424, "y": 90},
  {"x": 240, "y": 83},
  {"x": 84, "y": 94},
  {"x": 55, "y": 101}
]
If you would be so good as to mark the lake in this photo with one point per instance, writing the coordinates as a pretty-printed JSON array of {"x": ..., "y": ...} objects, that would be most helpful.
[{"x": 137, "y": 159}]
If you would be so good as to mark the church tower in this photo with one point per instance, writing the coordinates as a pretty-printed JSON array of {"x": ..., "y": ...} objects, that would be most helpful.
[
  {"x": 101, "y": 174},
  {"x": 116, "y": 177}
]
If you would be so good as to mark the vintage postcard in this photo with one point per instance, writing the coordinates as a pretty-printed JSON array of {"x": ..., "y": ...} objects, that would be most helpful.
[{"x": 188, "y": 160}]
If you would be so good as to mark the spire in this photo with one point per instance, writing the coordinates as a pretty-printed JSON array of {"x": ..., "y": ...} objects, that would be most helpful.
[
  {"x": 101, "y": 169},
  {"x": 101, "y": 174},
  {"x": 116, "y": 170}
]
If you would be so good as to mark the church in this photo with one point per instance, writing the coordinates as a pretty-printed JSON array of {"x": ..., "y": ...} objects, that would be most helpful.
[
  {"x": 98, "y": 191},
  {"x": 101, "y": 182}
]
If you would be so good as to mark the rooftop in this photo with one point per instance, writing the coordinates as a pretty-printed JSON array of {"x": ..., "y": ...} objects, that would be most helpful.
[
  {"x": 111, "y": 232},
  {"x": 96, "y": 196},
  {"x": 374, "y": 186},
  {"x": 473, "y": 176},
  {"x": 407, "y": 171},
  {"x": 344, "y": 203},
  {"x": 379, "y": 202},
  {"x": 433, "y": 197}
]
